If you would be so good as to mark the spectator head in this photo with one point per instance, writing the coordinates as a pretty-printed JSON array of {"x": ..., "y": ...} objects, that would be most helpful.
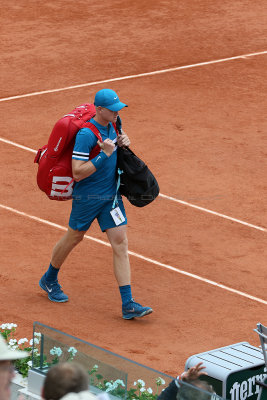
[
  {"x": 64, "y": 378},
  {"x": 187, "y": 392},
  {"x": 6, "y": 367}
]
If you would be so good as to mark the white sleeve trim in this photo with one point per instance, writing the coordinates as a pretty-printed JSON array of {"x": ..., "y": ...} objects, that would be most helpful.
[
  {"x": 80, "y": 153},
  {"x": 74, "y": 157}
]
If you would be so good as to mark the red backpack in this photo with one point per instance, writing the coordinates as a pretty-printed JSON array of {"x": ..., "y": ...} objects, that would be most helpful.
[{"x": 54, "y": 176}]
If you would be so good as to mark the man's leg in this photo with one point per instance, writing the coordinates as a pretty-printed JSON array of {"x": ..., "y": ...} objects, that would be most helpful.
[
  {"x": 49, "y": 282},
  {"x": 63, "y": 248},
  {"x": 119, "y": 243}
]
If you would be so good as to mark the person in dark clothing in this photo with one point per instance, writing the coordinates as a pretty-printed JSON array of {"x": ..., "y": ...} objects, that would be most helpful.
[{"x": 175, "y": 392}]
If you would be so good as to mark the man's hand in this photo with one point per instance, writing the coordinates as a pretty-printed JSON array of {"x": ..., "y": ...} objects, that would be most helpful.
[
  {"x": 123, "y": 140},
  {"x": 194, "y": 372},
  {"x": 107, "y": 146}
]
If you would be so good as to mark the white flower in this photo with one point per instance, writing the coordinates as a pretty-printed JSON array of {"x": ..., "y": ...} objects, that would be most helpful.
[
  {"x": 120, "y": 382},
  {"x": 12, "y": 342},
  {"x": 21, "y": 341},
  {"x": 149, "y": 390},
  {"x": 59, "y": 351},
  {"x": 135, "y": 383},
  {"x": 34, "y": 341},
  {"x": 110, "y": 386},
  {"x": 142, "y": 383},
  {"x": 72, "y": 350},
  {"x": 95, "y": 366},
  {"x": 29, "y": 363},
  {"x": 38, "y": 334},
  {"x": 142, "y": 389},
  {"x": 160, "y": 381},
  {"x": 56, "y": 351},
  {"x": 8, "y": 326},
  {"x": 13, "y": 348}
]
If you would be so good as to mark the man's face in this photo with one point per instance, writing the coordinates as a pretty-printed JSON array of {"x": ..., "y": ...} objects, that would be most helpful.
[
  {"x": 6, "y": 375},
  {"x": 108, "y": 115}
]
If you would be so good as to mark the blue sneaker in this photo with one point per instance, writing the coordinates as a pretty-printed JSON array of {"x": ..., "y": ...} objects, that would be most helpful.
[
  {"x": 133, "y": 309},
  {"x": 54, "y": 290}
]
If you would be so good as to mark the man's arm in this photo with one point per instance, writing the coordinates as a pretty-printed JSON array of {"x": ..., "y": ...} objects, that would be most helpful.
[{"x": 83, "y": 169}]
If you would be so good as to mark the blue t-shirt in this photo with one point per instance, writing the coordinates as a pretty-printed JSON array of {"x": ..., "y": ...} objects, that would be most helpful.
[{"x": 103, "y": 181}]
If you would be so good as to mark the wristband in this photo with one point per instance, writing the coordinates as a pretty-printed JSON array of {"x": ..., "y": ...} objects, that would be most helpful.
[{"x": 99, "y": 160}]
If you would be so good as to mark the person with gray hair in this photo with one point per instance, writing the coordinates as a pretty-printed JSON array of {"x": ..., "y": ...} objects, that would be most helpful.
[
  {"x": 7, "y": 368},
  {"x": 64, "y": 378}
]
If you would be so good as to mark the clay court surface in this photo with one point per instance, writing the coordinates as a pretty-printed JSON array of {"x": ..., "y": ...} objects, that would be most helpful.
[{"x": 202, "y": 131}]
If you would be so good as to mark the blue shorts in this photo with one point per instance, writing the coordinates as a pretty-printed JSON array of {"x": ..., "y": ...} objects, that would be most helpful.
[{"x": 84, "y": 212}]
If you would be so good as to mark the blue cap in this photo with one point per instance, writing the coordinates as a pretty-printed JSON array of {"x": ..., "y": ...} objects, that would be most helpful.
[{"x": 109, "y": 99}]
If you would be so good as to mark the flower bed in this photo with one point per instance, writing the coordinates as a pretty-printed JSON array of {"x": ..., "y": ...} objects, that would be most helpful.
[{"x": 114, "y": 387}]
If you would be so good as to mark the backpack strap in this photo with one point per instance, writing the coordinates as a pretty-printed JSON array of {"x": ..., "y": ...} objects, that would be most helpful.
[
  {"x": 94, "y": 129},
  {"x": 96, "y": 150}
]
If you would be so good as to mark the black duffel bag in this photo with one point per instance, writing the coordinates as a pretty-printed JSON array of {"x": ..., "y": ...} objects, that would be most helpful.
[{"x": 137, "y": 183}]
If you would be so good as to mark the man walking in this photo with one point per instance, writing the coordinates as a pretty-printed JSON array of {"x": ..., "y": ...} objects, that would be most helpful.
[{"x": 95, "y": 196}]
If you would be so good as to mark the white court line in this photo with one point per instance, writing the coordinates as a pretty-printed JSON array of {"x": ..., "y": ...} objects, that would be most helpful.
[
  {"x": 18, "y": 145},
  {"x": 260, "y": 228},
  {"x": 150, "y": 260},
  {"x": 162, "y": 71}
]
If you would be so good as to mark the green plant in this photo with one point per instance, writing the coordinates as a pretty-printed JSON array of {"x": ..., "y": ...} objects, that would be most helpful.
[{"x": 117, "y": 387}]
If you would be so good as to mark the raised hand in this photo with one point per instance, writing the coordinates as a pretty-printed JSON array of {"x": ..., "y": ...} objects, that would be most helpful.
[
  {"x": 107, "y": 146},
  {"x": 194, "y": 372}
]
